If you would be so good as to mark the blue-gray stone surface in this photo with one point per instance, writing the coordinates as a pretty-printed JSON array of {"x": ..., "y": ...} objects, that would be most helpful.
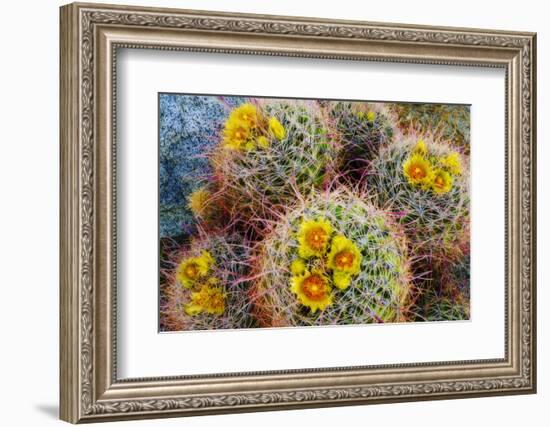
[{"x": 189, "y": 127}]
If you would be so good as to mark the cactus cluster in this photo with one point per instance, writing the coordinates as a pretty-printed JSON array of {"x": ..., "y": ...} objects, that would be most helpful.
[
  {"x": 333, "y": 259},
  {"x": 424, "y": 183},
  {"x": 271, "y": 153},
  {"x": 206, "y": 286},
  {"x": 313, "y": 213},
  {"x": 448, "y": 122}
]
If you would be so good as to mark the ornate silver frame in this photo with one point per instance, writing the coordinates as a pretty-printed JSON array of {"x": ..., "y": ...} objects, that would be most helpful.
[{"x": 90, "y": 36}]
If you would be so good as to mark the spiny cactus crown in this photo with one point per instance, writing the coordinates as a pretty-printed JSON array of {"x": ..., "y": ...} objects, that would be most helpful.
[
  {"x": 333, "y": 260},
  {"x": 424, "y": 183},
  {"x": 207, "y": 288},
  {"x": 288, "y": 152}
]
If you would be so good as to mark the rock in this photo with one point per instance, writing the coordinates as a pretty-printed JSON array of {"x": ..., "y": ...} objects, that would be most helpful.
[{"x": 189, "y": 127}]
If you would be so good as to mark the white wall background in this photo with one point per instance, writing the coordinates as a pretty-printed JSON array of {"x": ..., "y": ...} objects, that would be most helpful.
[{"x": 29, "y": 170}]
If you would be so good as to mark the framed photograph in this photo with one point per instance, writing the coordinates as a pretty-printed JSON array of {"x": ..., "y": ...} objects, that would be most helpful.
[{"x": 267, "y": 212}]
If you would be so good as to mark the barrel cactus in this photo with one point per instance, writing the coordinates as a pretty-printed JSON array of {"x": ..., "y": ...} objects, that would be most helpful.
[
  {"x": 451, "y": 122},
  {"x": 333, "y": 259},
  {"x": 207, "y": 286},
  {"x": 447, "y": 297},
  {"x": 270, "y": 153},
  {"x": 363, "y": 129},
  {"x": 425, "y": 184}
]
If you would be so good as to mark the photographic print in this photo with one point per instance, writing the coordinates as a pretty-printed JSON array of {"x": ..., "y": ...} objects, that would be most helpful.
[
  {"x": 304, "y": 216},
  {"x": 278, "y": 212}
]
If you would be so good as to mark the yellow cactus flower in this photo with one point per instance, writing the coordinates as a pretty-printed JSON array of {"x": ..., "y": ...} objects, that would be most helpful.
[
  {"x": 420, "y": 148},
  {"x": 206, "y": 259},
  {"x": 262, "y": 142},
  {"x": 198, "y": 201},
  {"x": 344, "y": 256},
  {"x": 418, "y": 170},
  {"x": 341, "y": 280},
  {"x": 276, "y": 128},
  {"x": 298, "y": 266},
  {"x": 312, "y": 290},
  {"x": 371, "y": 115},
  {"x": 189, "y": 272},
  {"x": 442, "y": 182},
  {"x": 245, "y": 113},
  {"x": 192, "y": 269},
  {"x": 213, "y": 281},
  {"x": 207, "y": 299},
  {"x": 452, "y": 163},
  {"x": 249, "y": 146},
  {"x": 360, "y": 115},
  {"x": 313, "y": 237},
  {"x": 235, "y": 134}
]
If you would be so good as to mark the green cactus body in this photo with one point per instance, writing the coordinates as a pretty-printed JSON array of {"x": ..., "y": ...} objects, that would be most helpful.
[
  {"x": 447, "y": 297},
  {"x": 274, "y": 167},
  {"x": 378, "y": 288},
  {"x": 225, "y": 277},
  {"x": 435, "y": 218},
  {"x": 450, "y": 122},
  {"x": 363, "y": 129}
]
